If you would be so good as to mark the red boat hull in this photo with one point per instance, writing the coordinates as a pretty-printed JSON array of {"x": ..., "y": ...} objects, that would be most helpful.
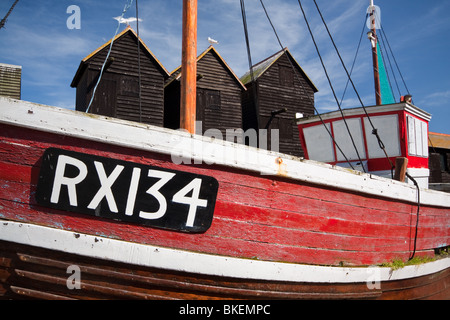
[
  {"x": 279, "y": 224},
  {"x": 258, "y": 217}
]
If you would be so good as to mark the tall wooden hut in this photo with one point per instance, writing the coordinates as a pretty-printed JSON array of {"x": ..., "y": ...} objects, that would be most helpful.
[
  {"x": 10, "y": 81},
  {"x": 218, "y": 95},
  {"x": 278, "y": 91},
  {"x": 117, "y": 94}
]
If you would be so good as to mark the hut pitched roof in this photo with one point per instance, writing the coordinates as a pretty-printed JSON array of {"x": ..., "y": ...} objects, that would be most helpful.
[
  {"x": 439, "y": 140},
  {"x": 261, "y": 67},
  {"x": 127, "y": 30},
  {"x": 177, "y": 73}
]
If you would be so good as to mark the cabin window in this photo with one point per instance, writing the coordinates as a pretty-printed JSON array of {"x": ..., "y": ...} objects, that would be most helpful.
[
  {"x": 344, "y": 141},
  {"x": 388, "y": 130},
  {"x": 319, "y": 143},
  {"x": 417, "y": 137},
  {"x": 286, "y": 77}
]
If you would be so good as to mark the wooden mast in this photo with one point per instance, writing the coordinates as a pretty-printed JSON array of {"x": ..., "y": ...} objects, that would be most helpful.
[
  {"x": 374, "y": 40},
  {"x": 189, "y": 66}
]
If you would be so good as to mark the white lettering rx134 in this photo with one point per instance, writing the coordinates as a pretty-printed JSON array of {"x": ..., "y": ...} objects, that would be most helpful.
[
  {"x": 126, "y": 191},
  {"x": 226, "y": 309}
]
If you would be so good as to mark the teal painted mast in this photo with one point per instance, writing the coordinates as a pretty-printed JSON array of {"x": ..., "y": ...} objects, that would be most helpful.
[
  {"x": 383, "y": 92},
  {"x": 385, "y": 88},
  {"x": 374, "y": 41}
]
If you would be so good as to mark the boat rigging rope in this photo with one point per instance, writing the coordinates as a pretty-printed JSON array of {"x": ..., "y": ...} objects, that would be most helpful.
[
  {"x": 381, "y": 47},
  {"x": 356, "y": 55},
  {"x": 374, "y": 130},
  {"x": 126, "y": 7},
  {"x": 330, "y": 83},
  {"x": 249, "y": 55},
  {"x": 388, "y": 51},
  {"x": 304, "y": 90},
  {"x": 390, "y": 65},
  {"x": 395, "y": 60},
  {"x": 247, "y": 41},
  {"x": 139, "y": 61},
  {"x": 3, "y": 21}
]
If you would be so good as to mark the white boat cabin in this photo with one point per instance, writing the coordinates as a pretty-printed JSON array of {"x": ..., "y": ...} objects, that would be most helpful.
[{"x": 402, "y": 127}]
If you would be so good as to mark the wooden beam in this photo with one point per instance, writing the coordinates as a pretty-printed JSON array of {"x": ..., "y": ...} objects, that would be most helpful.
[
  {"x": 401, "y": 164},
  {"x": 189, "y": 66},
  {"x": 376, "y": 73}
]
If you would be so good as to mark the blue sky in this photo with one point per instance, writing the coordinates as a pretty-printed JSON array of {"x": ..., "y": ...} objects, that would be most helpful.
[{"x": 37, "y": 38}]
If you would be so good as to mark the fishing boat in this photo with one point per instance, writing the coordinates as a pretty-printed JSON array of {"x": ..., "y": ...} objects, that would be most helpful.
[{"x": 94, "y": 207}]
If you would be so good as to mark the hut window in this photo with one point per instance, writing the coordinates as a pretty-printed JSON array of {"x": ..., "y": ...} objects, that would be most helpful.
[
  {"x": 286, "y": 76},
  {"x": 209, "y": 108},
  {"x": 208, "y": 99}
]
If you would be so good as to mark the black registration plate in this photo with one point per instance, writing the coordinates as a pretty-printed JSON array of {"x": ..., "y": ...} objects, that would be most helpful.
[{"x": 126, "y": 191}]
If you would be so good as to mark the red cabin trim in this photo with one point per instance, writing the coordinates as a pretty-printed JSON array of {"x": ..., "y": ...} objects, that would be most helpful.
[{"x": 381, "y": 163}]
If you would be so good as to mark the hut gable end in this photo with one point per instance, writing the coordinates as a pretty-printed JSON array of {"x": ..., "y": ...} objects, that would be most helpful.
[
  {"x": 117, "y": 94},
  {"x": 281, "y": 86},
  {"x": 218, "y": 95}
]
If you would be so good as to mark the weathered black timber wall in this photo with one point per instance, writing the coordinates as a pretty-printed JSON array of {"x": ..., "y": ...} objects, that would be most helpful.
[
  {"x": 439, "y": 164},
  {"x": 218, "y": 96},
  {"x": 279, "y": 87},
  {"x": 249, "y": 109},
  {"x": 118, "y": 92}
]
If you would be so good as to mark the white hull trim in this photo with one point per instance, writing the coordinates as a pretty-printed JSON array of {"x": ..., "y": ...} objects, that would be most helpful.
[
  {"x": 192, "y": 262},
  {"x": 211, "y": 151}
]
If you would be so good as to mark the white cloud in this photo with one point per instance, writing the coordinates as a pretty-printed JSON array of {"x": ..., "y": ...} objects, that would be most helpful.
[
  {"x": 36, "y": 37},
  {"x": 436, "y": 99}
]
